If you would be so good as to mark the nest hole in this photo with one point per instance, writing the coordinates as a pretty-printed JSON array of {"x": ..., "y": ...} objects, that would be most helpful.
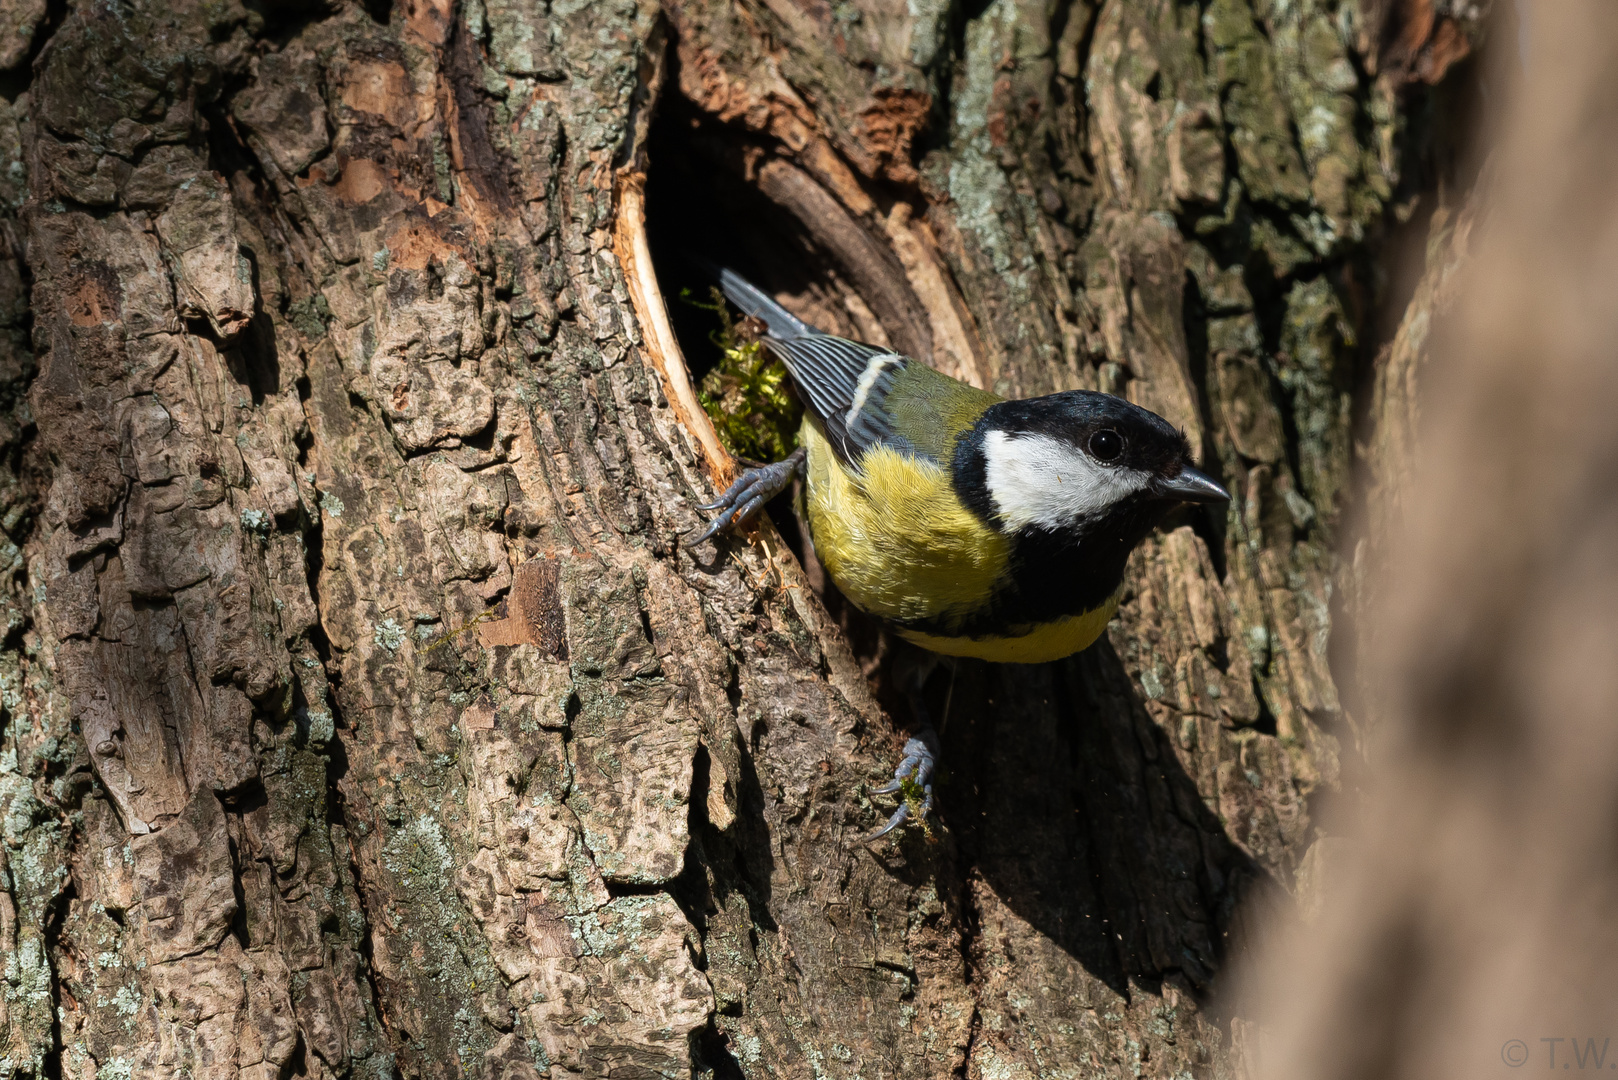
[{"x": 704, "y": 211}]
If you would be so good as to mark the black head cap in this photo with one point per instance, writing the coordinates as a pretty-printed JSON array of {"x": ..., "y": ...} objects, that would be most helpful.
[{"x": 1117, "y": 435}]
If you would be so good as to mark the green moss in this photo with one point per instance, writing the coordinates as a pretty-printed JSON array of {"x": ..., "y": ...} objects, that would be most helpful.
[
  {"x": 746, "y": 394},
  {"x": 914, "y": 796}
]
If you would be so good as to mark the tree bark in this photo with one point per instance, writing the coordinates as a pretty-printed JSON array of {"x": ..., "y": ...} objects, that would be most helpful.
[
  {"x": 1469, "y": 930},
  {"x": 363, "y": 714}
]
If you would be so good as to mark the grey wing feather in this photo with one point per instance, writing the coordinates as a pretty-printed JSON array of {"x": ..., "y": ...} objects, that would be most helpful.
[
  {"x": 752, "y": 300},
  {"x": 843, "y": 383}
]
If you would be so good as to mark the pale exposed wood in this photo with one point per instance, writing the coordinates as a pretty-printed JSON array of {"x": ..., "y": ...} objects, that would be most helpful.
[{"x": 662, "y": 347}]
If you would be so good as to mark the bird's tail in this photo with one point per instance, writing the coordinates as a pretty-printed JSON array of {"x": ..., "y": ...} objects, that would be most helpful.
[{"x": 753, "y": 301}]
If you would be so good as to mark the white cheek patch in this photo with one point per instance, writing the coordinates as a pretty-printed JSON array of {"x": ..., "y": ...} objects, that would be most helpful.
[{"x": 1040, "y": 481}]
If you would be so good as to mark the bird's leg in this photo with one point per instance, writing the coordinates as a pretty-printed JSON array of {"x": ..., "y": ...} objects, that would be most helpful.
[
  {"x": 913, "y": 779},
  {"x": 749, "y": 493}
]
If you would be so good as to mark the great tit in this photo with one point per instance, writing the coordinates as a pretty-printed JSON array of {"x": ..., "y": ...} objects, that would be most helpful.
[{"x": 973, "y": 525}]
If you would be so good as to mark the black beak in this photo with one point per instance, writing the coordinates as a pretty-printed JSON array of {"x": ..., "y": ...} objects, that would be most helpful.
[{"x": 1192, "y": 486}]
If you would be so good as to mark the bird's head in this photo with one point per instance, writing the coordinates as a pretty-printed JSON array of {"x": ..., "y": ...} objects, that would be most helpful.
[{"x": 1070, "y": 461}]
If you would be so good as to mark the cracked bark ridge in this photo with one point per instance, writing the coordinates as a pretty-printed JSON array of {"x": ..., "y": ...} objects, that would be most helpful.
[
  {"x": 1181, "y": 203},
  {"x": 362, "y": 715}
]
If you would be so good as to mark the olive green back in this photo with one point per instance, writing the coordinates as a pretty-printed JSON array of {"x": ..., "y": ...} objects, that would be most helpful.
[{"x": 931, "y": 409}]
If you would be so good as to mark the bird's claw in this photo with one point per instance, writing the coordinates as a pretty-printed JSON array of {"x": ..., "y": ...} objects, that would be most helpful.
[
  {"x": 914, "y": 774},
  {"x": 749, "y": 493}
]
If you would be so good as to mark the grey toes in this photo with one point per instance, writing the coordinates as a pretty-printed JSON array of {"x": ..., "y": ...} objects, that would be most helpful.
[
  {"x": 915, "y": 772},
  {"x": 748, "y": 494}
]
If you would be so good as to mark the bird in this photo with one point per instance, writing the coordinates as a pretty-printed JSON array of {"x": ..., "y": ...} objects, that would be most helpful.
[{"x": 973, "y": 525}]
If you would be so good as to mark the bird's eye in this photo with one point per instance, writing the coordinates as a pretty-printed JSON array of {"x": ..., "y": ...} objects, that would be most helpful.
[{"x": 1106, "y": 445}]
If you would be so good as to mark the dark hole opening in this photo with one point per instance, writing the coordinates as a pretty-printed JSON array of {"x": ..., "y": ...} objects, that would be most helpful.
[{"x": 703, "y": 213}]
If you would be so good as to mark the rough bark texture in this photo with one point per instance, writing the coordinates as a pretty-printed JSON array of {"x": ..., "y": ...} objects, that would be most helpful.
[
  {"x": 1469, "y": 931},
  {"x": 362, "y": 714}
]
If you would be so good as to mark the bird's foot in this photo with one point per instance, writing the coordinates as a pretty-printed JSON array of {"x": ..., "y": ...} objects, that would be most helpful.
[
  {"x": 749, "y": 493},
  {"x": 912, "y": 782}
]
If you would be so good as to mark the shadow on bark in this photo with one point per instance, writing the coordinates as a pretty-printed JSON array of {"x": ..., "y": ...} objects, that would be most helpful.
[
  {"x": 1072, "y": 808},
  {"x": 1058, "y": 795}
]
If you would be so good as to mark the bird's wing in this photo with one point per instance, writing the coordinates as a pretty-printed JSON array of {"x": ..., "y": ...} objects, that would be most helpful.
[
  {"x": 755, "y": 302},
  {"x": 845, "y": 385}
]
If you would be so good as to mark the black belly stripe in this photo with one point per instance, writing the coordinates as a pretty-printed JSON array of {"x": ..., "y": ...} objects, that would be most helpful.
[{"x": 1054, "y": 575}]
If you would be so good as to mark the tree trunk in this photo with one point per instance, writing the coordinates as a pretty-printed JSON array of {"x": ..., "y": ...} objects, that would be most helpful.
[
  {"x": 1469, "y": 930},
  {"x": 364, "y": 714}
]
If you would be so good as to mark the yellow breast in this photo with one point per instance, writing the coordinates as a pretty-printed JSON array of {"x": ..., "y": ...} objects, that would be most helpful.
[
  {"x": 894, "y": 536},
  {"x": 1052, "y": 641},
  {"x": 900, "y": 546}
]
